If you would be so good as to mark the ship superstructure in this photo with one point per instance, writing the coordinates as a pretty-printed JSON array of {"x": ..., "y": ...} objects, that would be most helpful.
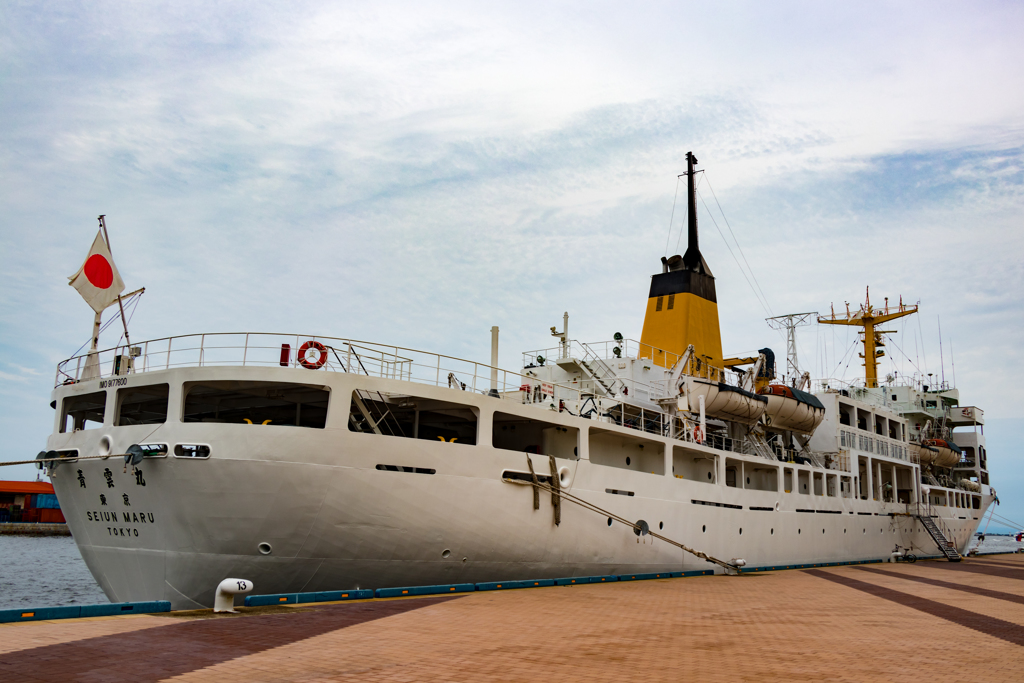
[{"x": 309, "y": 463}]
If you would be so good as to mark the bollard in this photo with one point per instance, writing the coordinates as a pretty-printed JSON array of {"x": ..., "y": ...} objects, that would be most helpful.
[{"x": 226, "y": 592}]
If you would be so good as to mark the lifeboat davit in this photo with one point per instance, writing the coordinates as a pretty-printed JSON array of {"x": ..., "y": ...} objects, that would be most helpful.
[
  {"x": 724, "y": 401},
  {"x": 792, "y": 410},
  {"x": 937, "y": 452}
]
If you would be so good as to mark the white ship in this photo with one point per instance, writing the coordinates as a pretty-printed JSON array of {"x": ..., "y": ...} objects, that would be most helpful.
[{"x": 308, "y": 463}]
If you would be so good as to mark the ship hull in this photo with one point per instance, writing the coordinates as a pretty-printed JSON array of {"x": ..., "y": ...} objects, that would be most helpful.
[{"x": 333, "y": 520}]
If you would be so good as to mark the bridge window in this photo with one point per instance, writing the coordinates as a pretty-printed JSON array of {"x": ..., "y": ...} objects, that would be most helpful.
[
  {"x": 279, "y": 404},
  {"x": 145, "y": 405},
  {"x": 84, "y": 411}
]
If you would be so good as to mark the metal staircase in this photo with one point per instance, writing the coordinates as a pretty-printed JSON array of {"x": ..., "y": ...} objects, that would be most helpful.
[
  {"x": 596, "y": 368},
  {"x": 946, "y": 546},
  {"x": 761, "y": 447}
]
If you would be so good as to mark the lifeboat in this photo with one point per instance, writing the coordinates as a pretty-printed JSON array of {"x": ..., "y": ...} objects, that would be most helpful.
[
  {"x": 937, "y": 452},
  {"x": 724, "y": 401},
  {"x": 792, "y": 410}
]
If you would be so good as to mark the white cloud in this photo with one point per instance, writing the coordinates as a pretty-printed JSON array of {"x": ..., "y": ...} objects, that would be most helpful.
[{"x": 417, "y": 173}]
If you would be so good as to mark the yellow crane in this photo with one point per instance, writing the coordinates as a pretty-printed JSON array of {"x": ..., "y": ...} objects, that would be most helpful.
[{"x": 868, "y": 318}]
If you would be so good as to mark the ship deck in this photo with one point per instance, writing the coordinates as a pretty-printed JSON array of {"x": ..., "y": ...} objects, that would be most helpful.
[{"x": 878, "y": 622}]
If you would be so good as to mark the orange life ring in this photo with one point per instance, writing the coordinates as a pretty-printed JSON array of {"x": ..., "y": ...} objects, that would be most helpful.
[
  {"x": 312, "y": 364},
  {"x": 698, "y": 434}
]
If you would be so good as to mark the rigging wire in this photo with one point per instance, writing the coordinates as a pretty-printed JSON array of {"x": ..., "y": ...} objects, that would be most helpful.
[
  {"x": 903, "y": 354},
  {"x": 672, "y": 217},
  {"x": 764, "y": 304},
  {"x": 130, "y": 316},
  {"x": 134, "y": 298},
  {"x": 848, "y": 350},
  {"x": 737, "y": 244}
]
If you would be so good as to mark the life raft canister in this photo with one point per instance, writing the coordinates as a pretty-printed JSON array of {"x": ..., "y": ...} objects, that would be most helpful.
[{"x": 312, "y": 364}]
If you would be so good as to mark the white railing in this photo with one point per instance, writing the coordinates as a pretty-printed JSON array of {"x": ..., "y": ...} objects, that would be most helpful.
[
  {"x": 628, "y": 348},
  {"x": 250, "y": 349}
]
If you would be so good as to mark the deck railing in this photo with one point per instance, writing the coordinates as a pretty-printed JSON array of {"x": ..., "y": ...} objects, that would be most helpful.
[{"x": 251, "y": 349}]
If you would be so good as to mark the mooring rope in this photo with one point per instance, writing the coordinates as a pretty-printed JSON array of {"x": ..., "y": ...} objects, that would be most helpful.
[
  {"x": 69, "y": 458},
  {"x": 594, "y": 508}
]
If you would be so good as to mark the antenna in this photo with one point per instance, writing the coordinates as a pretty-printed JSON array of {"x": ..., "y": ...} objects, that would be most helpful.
[
  {"x": 952, "y": 360},
  {"x": 942, "y": 360},
  {"x": 790, "y": 323}
]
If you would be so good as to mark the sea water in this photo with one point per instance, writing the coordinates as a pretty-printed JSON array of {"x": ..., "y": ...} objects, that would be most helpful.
[{"x": 44, "y": 571}]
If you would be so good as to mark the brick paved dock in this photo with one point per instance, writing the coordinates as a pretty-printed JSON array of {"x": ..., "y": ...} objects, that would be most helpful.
[{"x": 934, "y": 621}]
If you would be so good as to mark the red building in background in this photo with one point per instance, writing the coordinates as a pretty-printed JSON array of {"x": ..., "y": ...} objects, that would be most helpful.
[{"x": 29, "y": 501}]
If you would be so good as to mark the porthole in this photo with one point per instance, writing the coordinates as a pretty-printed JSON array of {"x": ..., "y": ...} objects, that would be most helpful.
[
  {"x": 798, "y": 530},
  {"x": 627, "y": 459},
  {"x": 104, "y": 447},
  {"x": 844, "y": 531},
  {"x": 822, "y": 531},
  {"x": 773, "y": 532},
  {"x": 741, "y": 531},
  {"x": 865, "y": 531},
  {"x": 704, "y": 529},
  {"x": 609, "y": 521},
  {"x": 446, "y": 553},
  {"x": 264, "y": 548},
  {"x": 661, "y": 525},
  {"x": 709, "y": 476}
]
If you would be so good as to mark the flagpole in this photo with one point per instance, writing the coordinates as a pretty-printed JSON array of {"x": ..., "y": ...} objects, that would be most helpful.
[{"x": 127, "y": 339}]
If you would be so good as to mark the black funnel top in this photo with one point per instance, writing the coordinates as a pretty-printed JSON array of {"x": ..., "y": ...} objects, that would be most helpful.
[
  {"x": 688, "y": 273},
  {"x": 692, "y": 259}
]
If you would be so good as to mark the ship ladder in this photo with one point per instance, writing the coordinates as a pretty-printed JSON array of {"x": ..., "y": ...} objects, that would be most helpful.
[
  {"x": 762, "y": 448},
  {"x": 590, "y": 358},
  {"x": 945, "y": 545}
]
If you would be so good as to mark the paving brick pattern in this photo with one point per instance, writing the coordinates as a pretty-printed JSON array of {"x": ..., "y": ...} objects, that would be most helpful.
[{"x": 926, "y": 620}]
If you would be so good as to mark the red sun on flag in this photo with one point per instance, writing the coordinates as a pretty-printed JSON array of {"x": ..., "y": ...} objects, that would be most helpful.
[
  {"x": 98, "y": 280},
  {"x": 98, "y": 271}
]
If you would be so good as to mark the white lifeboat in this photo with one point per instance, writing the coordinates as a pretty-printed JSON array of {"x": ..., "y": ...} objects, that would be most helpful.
[
  {"x": 792, "y": 410},
  {"x": 937, "y": 452},
  {"x": 724, "y": 401}
]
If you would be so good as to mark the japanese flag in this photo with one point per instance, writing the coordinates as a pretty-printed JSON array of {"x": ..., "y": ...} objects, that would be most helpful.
[{"x": 97, "y": 280}]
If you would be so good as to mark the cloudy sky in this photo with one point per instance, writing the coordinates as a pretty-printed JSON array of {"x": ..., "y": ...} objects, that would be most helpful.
[{"x": 414, "y": 173}]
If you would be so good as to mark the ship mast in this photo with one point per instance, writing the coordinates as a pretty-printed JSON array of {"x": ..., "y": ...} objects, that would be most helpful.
[{"x": 867, "y": 318}]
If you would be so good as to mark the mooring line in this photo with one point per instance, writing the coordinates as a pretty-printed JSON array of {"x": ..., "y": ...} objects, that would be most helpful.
[{"x": 572, "y": 498}]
